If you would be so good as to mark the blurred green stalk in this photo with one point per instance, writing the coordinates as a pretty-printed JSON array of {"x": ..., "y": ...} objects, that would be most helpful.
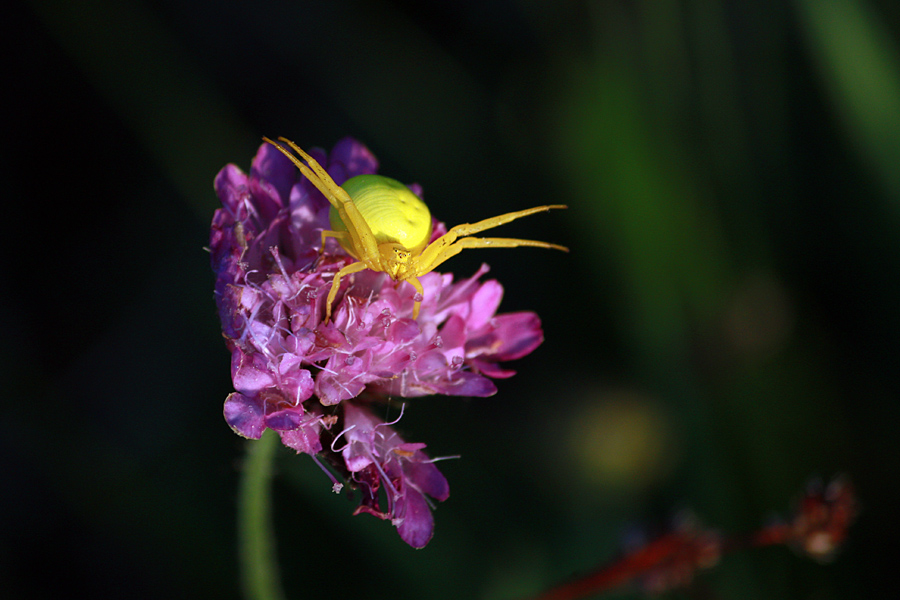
[
  {"x": 256, "y": 540},
  {"x": 859, "y": 62}
]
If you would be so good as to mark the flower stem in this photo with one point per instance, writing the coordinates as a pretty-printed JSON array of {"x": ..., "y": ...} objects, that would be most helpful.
[{"x": 256, "y": 541}]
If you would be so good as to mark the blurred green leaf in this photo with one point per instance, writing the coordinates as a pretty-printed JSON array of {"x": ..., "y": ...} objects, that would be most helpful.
[{"x": 860, "y": 66}]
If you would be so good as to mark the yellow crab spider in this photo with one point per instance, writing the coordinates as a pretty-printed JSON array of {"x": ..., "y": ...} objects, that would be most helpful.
[{"x": 386, "y": 228}]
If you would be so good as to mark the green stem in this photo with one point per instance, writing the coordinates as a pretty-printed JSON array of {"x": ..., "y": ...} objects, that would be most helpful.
[{"x": 256, "y": 540}]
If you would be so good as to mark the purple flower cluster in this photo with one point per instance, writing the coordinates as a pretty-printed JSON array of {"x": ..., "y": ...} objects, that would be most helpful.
[{"x": 314, "y": 383}]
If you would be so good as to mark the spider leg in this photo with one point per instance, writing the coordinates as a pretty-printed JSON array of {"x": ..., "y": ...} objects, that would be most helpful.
[
  {"x": 338, "y": 235},
  {"x": 316, "y": 174},
  {"x": 414, "y": 281},
  {"x": 361, "y": 237},
  {"x": 439, "y": 246},
  {"x": 470, "y": 228},
  {"x": 336, "y": 284},
  {"x": 363, "y": 240},
  {"x": 452, "y": 250}
]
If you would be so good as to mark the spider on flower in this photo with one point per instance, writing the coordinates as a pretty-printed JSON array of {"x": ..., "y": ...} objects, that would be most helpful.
[{"x": 383, "y": 225}]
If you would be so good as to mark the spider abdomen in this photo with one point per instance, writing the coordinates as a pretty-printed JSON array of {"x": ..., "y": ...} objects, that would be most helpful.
[{"x": 391, "y": 210}]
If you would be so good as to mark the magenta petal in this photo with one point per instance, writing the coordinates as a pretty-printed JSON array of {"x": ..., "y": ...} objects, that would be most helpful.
[
  {"x": 432, "y": 362},
  {"x": 350, "y": 158},
  {"x": 284, "y": 420},
  {"x": 469, "y": 384},
  {"x": 415, "y": 523},
  {"x": 298, "y": 385},
  {"x": 304, "y": 439},
  {"x": 360, "y": 450},
  {"x": 266, "y": 198},
  {"x": 512, "y": 336},
  {"x": 249, "y": 373},
  {"x": 231, "y": 187},
  {"x": 491, "y": 369},
  {"x": 404, "y": 330},
  {"x": 244, "y": 415},
  {"x": 485, "y": 303},
  {"x": 331, "y": 388},
  {"x": 453, "y": 333},
  {"x": 273, "y": 166},
  {"x": 355, "y": 461},
  {"x": 228, "y": 302},
  {"x": 428, "y": 478}
]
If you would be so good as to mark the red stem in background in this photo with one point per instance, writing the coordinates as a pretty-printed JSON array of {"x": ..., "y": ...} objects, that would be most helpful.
[{"x": 818, "y": 528}]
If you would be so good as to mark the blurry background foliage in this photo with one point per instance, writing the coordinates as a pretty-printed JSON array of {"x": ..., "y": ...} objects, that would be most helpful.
[{"x": 724, "y": 328}]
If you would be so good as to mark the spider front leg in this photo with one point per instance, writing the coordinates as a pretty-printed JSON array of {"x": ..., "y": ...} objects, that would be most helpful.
[
  {"x": 318, "y": 176},
  {"x": 447, "y": 252},
  {"x": 470, "y": 228},
  {"x": 433, "y": 255},
  {"x": 361, "y": 237}
]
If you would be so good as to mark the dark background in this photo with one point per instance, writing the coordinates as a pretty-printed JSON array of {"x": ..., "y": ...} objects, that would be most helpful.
[{"x": 724, "y": 330}]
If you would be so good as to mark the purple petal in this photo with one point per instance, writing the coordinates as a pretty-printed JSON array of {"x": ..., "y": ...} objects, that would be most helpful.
[
  {"x": 485, "y": 303},
  {"x": 298, "y": 385},
  {"x": 304, "y": 439},
  {"x": 231, "y": 188},
  {"x": 469, "y": 384},
  {"x": 249, "y": 372},
  {"x": 244, "y": 416},
  {"x": 284, "y": 420},
  {"x": 350, "y": 158},
  {"x": 489, "y": 368},
  {"x": 512, "y": 336},
  {"x": 416, "y": 189},
  {"x": 356, "y": 458},
  {"x": 426, "y": 477},
  {"x": 227, "y": 302},
  {"x": 404, "y": 330},
  {"x": 273, "y": 166},
  {"x": 453, "y": 334},
  {"x": 331, "y": 388},
  {"x": 413, "y": 519},
  {"x": 266, "y": 199}
]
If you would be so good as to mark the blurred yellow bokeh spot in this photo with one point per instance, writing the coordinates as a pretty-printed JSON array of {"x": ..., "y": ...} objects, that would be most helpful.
[{"x": 621, "y": 441}]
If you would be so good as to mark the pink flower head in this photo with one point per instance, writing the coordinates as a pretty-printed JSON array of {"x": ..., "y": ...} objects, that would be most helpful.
[{"x": 272, "y": 279}]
